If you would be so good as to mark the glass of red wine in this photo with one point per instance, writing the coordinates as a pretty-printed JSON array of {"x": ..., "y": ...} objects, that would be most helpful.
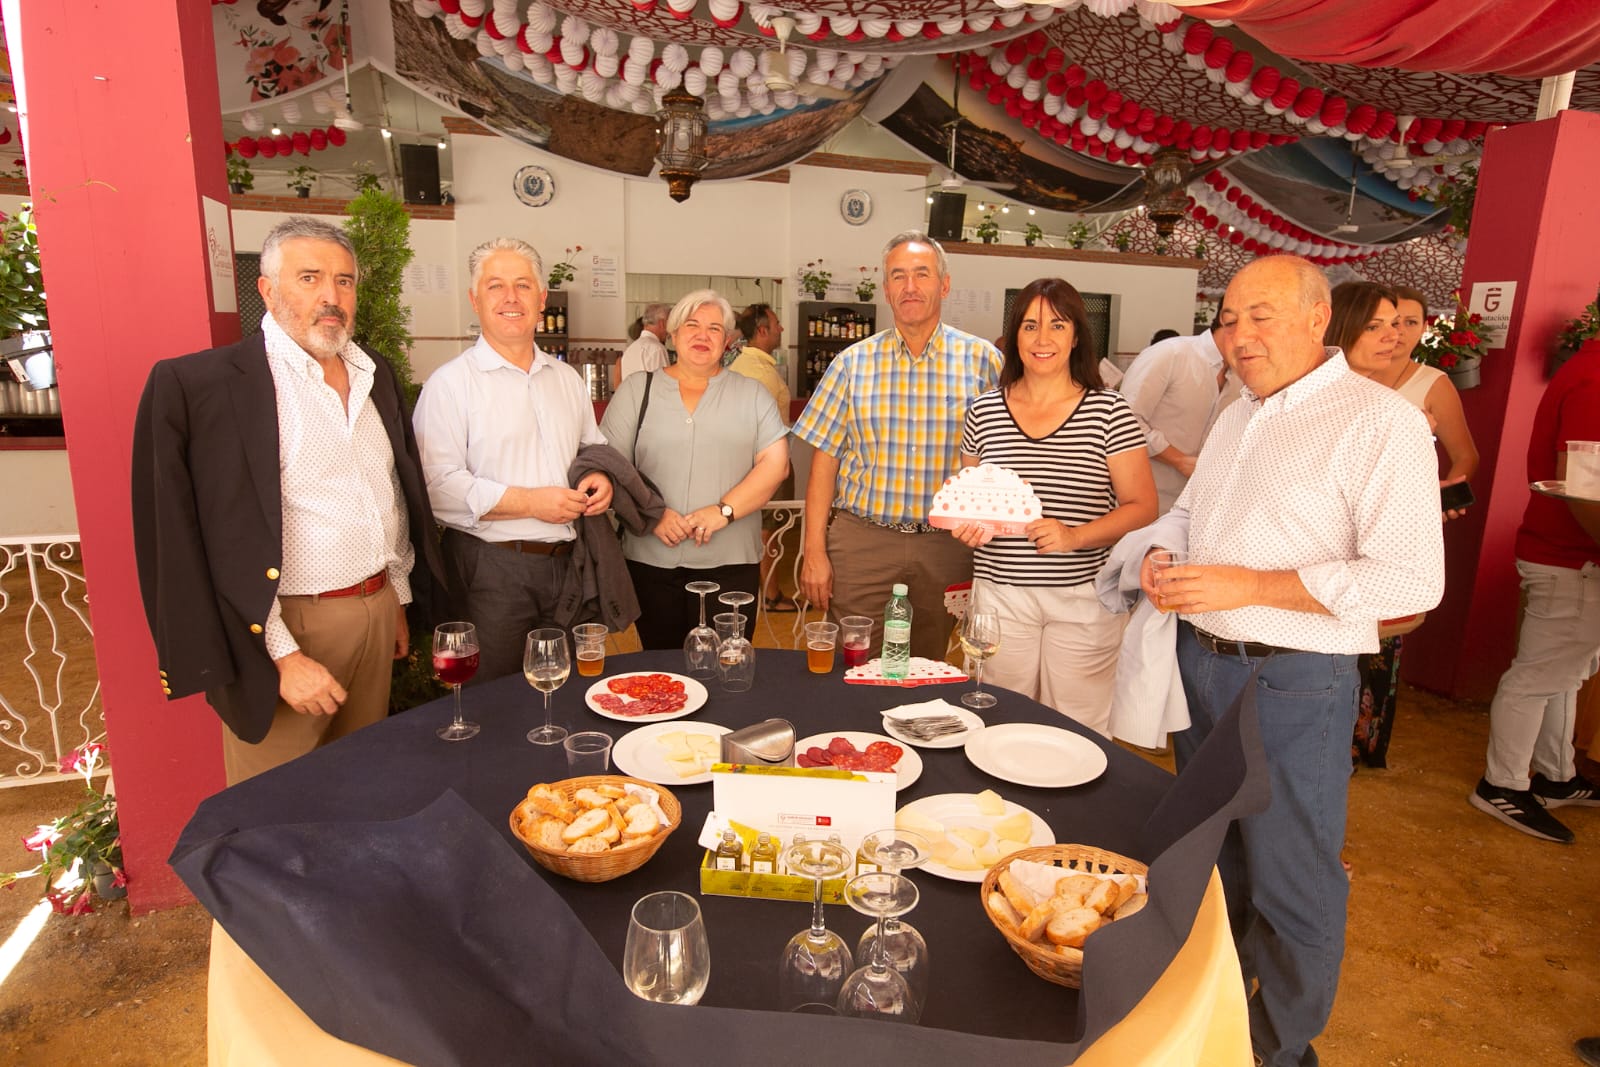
[{"x": 455, "y": 661}]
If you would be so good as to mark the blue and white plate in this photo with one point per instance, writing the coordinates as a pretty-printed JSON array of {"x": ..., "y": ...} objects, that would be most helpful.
[{"x": 534, "y": 186}]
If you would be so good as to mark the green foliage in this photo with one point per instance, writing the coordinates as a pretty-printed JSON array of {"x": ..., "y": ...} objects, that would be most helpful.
[
  {"x": 1032, "y": 234},
  {"x": 1123, "y": 240},
  {"x": 21, "y": 280},
  {"x": 301, "y": 177},
  {"x": 366, "y": 178},
  {"x": 988, "y": 229},
  {"x": 239, "y": 173},
  {"x": 413, "y": 682},
  {"x": 380, "y": 229},
  {"x": 1585, "y": 327},
  {"x": 1460, "y": 194},
  {"x": 1078, "y": 234}
]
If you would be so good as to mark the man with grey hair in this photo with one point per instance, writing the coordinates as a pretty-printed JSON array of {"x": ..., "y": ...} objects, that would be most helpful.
[
  {"x": 278, "y": 509},
  {"x": 649, "y": 352},
  {"x": 1312, "y": 513},
  {"x": 886, "y": 424},
  {"x": 499, "y": 427}
]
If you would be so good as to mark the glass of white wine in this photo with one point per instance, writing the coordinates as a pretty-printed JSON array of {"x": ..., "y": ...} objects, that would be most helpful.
[
  {"x": 546, "y": 662},
  {"x": 980, "y": 639},
  {"x": 666, "y": 958}
]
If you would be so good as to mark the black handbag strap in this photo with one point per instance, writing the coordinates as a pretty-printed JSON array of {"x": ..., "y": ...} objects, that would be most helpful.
[{"x": 644, "y": 406}]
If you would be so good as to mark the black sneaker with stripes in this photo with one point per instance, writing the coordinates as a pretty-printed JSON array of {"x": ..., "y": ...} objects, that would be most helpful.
[
  {"x": 1520, "y": 810},
  {"x": 1575, "y": 790}
]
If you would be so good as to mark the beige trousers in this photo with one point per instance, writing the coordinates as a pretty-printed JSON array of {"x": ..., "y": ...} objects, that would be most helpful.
[
  {"x": 353, "y": 637},
  {"x": 868, "y": 560}
]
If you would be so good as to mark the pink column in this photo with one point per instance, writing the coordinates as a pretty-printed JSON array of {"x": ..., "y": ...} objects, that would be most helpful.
[
  {"x": 1535, "y": 224},
  {"x": 120, "y": 120}
]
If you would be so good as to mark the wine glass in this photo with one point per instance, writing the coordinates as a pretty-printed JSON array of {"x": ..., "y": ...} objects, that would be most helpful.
[
  {"x": 895, "y": 851},
  {"x": 666, "y": 958},
  {"x": 980, "y": 639},
  {"x": 700, "y": 647},
  {"x": 816, "y": 961},
  {"x": 879, "y": 991},
  {"x": 546, "y": 662},
  {"x": 455, "y": 660},
  {"x": 736, "y": 599}
]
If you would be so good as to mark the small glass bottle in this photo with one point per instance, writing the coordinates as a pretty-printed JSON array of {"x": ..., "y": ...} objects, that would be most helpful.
[
  {"x": 730, "y": 852},
  {"x": 764, "y": 855},
  {"x": 863, "y": 864}
]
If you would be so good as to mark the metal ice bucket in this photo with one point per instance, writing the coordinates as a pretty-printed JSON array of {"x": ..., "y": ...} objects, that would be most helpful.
[{"x": 766, "y": 744}]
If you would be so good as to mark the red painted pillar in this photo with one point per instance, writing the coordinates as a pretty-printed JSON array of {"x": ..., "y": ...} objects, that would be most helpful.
[
  {"x": 1536, "y": 223},
  {"x": 121, "y": 125}
]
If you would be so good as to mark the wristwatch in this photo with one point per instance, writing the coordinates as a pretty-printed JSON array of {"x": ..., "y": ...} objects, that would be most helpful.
[{"x": 726, "y": 509}]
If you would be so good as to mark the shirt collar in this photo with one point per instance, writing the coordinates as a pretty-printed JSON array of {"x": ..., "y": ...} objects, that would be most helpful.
[
  {"x": 1209, "y": 349},
  {"x": 485, "y": 358},
  {"x": 936, "y": 342},
  {"x": 287, "y": 351},
  {"x": 759, "y": 353},
  {"x": 1305, "y": 387}
]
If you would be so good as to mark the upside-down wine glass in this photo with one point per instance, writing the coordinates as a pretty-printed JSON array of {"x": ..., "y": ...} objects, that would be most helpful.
[
  {"x": 700, "y": 647},
  {"x": 896, "y": 851},
  {"x": 877, "y": 990},
  {"x": 816, "y": 960},
  {"x": 980, "y": 639},
  {"x": 546, "y": 662},
  {"x": 455, "y": 661},
  {"x": 736, "y": 599}
]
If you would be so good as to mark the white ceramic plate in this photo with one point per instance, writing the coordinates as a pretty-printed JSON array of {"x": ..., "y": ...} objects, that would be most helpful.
[
  {"x": 639, "y": 752},
  {"x": 908, "y": 770},
  {"x": 691, "y": 688},
  {"x": 1046, "y": 757},
  {"x": 974, "y": 726},
  {"x": 961, "y": 809}
]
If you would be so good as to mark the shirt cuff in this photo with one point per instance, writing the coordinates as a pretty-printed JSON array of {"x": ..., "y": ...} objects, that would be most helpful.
[
  {"x": 400, "y": 580},
  {"x": 1333, "y": 586},
  {"x": 482, "y": 498},
  {"x": 280, "y": 642}
]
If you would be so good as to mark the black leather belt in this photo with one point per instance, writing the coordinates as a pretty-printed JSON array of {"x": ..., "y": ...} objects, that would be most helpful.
[
  {"x": 536, "y": 548},
  {"x": 1249, "y": 649}
]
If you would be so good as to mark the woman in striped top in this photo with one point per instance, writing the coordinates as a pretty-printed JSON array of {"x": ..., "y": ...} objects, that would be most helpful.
[{"x": 1080, "y": 448}]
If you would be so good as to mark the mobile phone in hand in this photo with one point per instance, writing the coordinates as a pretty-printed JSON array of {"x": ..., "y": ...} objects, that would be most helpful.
[{"x": 1457, "y": 497}]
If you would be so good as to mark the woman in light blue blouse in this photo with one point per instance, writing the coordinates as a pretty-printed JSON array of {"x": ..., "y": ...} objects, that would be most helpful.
[{"x": 715, "y": 447}]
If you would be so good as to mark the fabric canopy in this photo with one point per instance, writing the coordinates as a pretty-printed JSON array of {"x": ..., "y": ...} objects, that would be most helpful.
[{"x": 1521, "y": 38}]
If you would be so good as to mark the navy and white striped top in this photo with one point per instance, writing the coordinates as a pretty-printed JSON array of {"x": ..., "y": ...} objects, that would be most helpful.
[{"x": 1068, "y": 472}]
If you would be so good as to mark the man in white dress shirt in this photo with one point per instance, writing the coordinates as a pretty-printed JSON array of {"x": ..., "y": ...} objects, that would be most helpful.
[
  {"x": 649, "y": 350},
  {"x": 1173, "y": 387},
  {"x": 499, "y": 427},
  {"x": 1311, "y": 515}
]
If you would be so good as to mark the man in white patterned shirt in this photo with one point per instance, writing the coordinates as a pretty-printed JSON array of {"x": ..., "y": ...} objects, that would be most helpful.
[
  {"x": 278, "y": 511},
  {"x": 1312, "y": 514}
]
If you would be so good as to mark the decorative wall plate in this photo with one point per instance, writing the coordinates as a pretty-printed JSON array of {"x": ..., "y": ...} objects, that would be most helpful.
[
  {"x": 534, "y": 186},
  {"x": 856, "y": 206}
]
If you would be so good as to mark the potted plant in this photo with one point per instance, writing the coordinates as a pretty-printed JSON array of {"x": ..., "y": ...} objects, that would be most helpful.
[
  {"x": 1459, "y": 194},
  {"x": 240, "y": 179},
  {"x": 1032, "y": 234},
  {"x": 81, "y": 852},
  {"x": 366, "y": 178},
  {"x": 1453, "y": 344},
  {"x": 22, "y": 307},
  {"x": 1575, "y": 333},
  {"x": 1123, "y": 240},
  {"x": 814, "y": 279},
  {"x": 865, "y": 286},
  {"x": 301, "y": 179},
  {"x": 564, "y": 271},
  {"x": 988, "y": 230},
  {"x": 1200, "y": 248},
  {"x": 1078, "y": 234}
]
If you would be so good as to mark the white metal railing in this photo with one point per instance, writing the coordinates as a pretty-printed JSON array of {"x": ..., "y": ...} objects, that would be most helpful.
[
  {"x": 49, "y": 614},
  {"x": 789, "y": 515}
]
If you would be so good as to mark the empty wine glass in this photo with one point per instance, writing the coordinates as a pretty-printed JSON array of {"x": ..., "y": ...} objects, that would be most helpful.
[
  {"x": 546, "y": 662},
  {"x": 905, "y": 949},
  {"x": 736, "y": 599},
  {"x": 455, "y": 661},
  {"x": 666, "y": 957},
  {"x": 877, "y": 990},
  {"x": 700, "y": 647},
  {"x": 980, "y": 639},
  {"x": 816, "y": 960}
]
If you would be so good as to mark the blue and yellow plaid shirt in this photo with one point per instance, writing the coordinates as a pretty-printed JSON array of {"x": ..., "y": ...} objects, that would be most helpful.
[{"x": 893, "y": 422}]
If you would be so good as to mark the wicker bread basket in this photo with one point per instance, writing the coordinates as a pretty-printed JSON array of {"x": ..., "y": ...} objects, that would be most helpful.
[
  {"x": 597, "y": 866},
  {"x": 1063, "y": 966}
]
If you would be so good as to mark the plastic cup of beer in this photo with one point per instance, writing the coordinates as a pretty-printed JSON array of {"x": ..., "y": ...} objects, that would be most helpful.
[
  {"x": 821, "y": 639},
  {"x": 855, "y": 637},
  {"x": 589, "y": 648},
  {"x": 1161, "y": 561}
]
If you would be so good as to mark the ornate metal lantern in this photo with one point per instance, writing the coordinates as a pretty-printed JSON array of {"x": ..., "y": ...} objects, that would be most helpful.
[
  {"x": 1164, "y": 182},
  {"x": 681, "y": 130}
]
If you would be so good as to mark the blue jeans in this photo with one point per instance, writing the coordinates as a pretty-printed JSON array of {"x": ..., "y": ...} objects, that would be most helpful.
[{"x": 1280, "y": 869}]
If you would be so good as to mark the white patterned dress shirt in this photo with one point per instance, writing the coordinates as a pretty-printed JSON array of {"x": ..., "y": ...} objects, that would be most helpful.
[{"x": 1172, "y": 388}]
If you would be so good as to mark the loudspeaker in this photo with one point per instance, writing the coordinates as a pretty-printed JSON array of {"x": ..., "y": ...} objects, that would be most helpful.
[
  {"x": 419, "y": 173},
  {"x": 946, "y": 215}
]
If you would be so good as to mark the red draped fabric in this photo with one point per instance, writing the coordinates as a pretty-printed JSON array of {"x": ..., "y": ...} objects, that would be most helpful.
[{"x": 1521, "y": 38}]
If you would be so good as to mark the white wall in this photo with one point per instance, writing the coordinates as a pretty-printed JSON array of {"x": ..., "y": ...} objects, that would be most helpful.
[{"x": 38, "y": 495}]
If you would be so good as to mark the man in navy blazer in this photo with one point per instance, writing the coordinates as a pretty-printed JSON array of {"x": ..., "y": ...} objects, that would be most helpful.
[{"x": 278, "y": 512}]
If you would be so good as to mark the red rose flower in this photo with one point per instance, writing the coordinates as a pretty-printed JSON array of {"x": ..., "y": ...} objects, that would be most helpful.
[
  {"x": 1458, "y": 338},
  {"x": 1448, "y": 360}
]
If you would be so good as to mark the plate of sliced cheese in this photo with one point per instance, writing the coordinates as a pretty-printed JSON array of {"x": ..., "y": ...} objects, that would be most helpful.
[
  {"x": 971, "y": 832},
  {"x": 670, "y": 753}
]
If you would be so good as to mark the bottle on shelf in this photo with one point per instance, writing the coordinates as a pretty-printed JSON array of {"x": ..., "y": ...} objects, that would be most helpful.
[
  {"x": 897, "y": 633},
  {"x": 730, "y": 852},
  {"x": 561, "y": 320}
]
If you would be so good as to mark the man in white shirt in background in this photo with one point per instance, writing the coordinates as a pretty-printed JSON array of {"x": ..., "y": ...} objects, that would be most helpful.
[
  {"x": 498, "y": 428},
  {"x": 1173, "y": 387},
  {"x": 759, "y": 323},
  {"x": 649, "y": 352},
  {"x": 1312, "y": 514}
]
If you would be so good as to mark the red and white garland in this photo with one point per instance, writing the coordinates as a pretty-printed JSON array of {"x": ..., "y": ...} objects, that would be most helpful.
[
  {"x": 1221, "y": 202},
  {"x": 285, "y": 144}
]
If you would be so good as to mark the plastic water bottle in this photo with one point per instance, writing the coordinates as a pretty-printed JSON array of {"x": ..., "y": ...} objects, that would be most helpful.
[{"x": 897, "y": 634}]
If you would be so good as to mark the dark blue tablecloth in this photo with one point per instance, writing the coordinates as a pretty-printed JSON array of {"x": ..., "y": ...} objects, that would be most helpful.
[{"x": 377, "y": 882}]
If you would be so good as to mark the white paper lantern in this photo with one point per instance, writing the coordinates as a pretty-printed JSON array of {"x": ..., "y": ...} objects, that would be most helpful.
[
  {"x": 484, "y": 43},
  {"x": 474, "y": 8},
  {"x": 571, "y": 52},
  {"x": 592, "y": 86},
  {"x": 844, "y": 25},
  {"x": 909, "y": 27},
  {"x": 875, "y": 27},
  {"x": 634, "y": 71},
  {"x": 1008, "y": 19},
  {"x": 825, "y": 59},
  {"x": 694, "y": 81},
  {"x": 606, "y": 66},
  {"x": 668, "y": 78},
  {"x": 741, "y": 63},
  {"x": 541, "y": 18},
  {"x": 711, "y": 60},
  {"x": 539, "y": 69},
  {"x": 642, "y": 49},
  {"x": 252, "y": 121},
  {"x": 807, "y": 22},
  {"x": 604, "y": 41},
  {"x": 980, "y": 23},
  {"x": 724, "y": 10}
]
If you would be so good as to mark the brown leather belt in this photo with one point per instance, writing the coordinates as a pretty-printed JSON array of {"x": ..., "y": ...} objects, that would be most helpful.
[
  {"x": 536, "y": 548},
  {"x": 1249, "y": 649},
  {"x": 365, "y": 587}
]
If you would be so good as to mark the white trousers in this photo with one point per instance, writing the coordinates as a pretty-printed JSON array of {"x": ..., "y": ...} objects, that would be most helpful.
[
  {"x": 1057, "y": 646},
  {"x": 1531, "y": 719}
]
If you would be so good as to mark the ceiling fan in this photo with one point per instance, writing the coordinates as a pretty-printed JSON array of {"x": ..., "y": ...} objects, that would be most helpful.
[
  {"x": 783, "y": 67},
  {"x": 1396, "y": 157}
]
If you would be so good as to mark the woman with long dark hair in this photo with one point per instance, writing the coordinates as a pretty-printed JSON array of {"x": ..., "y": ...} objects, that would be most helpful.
[{"x": 1078, "y": 445}]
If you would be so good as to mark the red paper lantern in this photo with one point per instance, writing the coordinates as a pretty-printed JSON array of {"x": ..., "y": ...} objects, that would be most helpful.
[
  {"x": 1334, "y": 110},
  {"x": 247, "y": 147},
  {"x": 284, "y": 143},
  {"x": 1197, "y": 38},
  {"x": 892, "y": 34},
  {"x": 1096, "y": 89},
  {"x": 1239, "y": 66},
  {"x": 1288, "y": 89},
  {"x": 1036, "y": 70},
  {"x": 1240, "y": 140},
  {"x": 522, "y": 38},
  {"x": 1361, "y": 119},
  {"x": 319, "y": 139},
  {"x": 1036, "y": 42},
  {"x": 336, "y": 137},
  {"x": 1309, "y": 102},
  {"x": 471, "y": 22},
  {"x": 492, "y": 30},
  {"x": 267, "y": 147},
  {"x": 1202, "y": 137},
  {"x": 1258, "y": 139},
  {"x": 1055, "y": 59},
  {"x": 1014, "y": 51},
  {"x": 1076, "y": 97},
  {"x": 1076, "y": 75},
  {"x": 1218, "y": 52},
  {"x": 1112, "y": 101},
  {"x": 823, "y": 30}
]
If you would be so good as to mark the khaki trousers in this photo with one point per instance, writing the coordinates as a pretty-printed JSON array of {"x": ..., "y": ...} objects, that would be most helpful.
[
  {"x": 868, "y": 560},
  {"x": 353, "y": 637}
]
